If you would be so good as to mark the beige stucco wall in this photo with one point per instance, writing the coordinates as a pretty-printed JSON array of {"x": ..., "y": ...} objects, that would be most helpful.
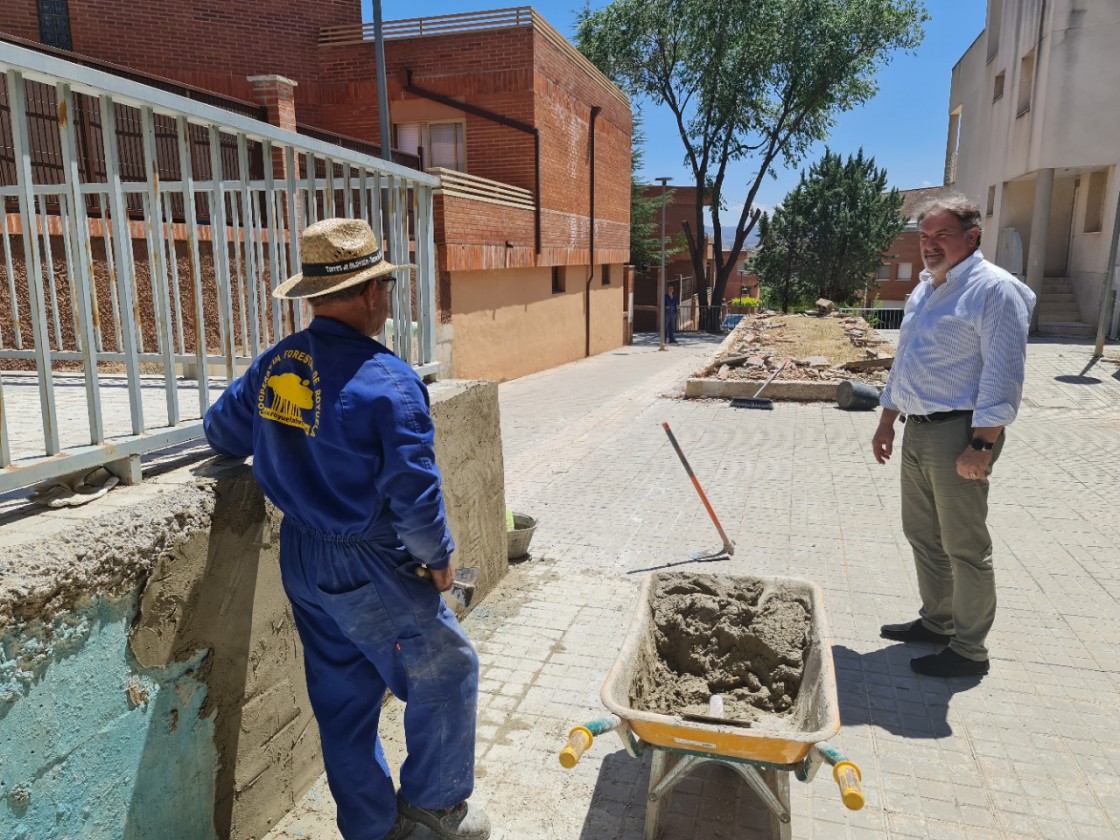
[
  {"x": 1071, "y": 127},
  {"x": 508, "y": 323}
]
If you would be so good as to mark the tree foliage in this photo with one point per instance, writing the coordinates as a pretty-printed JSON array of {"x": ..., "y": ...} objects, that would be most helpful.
[
  {"x": 645, "y": 221},
  {"x": 831, "y": 231},
  {"x": 757, "y": 80}
]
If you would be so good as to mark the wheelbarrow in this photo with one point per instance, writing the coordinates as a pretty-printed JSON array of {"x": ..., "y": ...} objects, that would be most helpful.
[{"x": 763, "y": 753}]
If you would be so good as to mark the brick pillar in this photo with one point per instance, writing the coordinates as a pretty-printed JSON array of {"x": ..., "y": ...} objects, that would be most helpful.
[{"x": 277, "y": 95}]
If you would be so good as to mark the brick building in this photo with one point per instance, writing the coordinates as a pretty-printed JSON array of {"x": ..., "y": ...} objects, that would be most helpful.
[
  {"x": 680, "y": 210},
  {"x": 902, "y": 264},
  {"x": 532, "y": 227}
]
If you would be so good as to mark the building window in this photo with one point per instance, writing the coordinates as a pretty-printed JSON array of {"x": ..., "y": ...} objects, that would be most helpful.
[
  {"x": 997, "y": 91},
  {"x": 605, "y": 274},
  {"x": 884, "y": 272},
  {"x": 1094, "y": 203},
  {"x": 1026, "y": 83},
  {"x": 54, "y": 23},
  {"x": 905, "y": 272},
  {"x": 440, "y": 144},
  {"x": 995, "y": 21},
  {"x": 558, "y": 279},
  {"x": 991, "y": 208}
]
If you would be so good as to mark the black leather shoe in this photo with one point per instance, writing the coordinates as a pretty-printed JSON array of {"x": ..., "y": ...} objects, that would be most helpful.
[
  {"x": 949, "y": 663},
  {"x": 913, "y": 631}
]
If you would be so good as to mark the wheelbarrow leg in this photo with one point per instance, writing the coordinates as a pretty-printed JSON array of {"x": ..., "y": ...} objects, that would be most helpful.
[
  {"x": 778, "y": 782},
  {"x": 655, "y": 805}
]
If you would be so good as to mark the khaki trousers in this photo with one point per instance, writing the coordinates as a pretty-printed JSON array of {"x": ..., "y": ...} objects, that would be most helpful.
[{"x": 944, "y": 518}]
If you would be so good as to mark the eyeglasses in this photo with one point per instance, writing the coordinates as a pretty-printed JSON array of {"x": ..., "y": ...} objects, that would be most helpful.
[{"x": 386, "y": 282}]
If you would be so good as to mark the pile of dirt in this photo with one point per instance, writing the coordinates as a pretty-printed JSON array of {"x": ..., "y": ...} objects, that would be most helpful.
[
  {"x": 818, "y": 349},
  {"x": 719, "y": 636}
]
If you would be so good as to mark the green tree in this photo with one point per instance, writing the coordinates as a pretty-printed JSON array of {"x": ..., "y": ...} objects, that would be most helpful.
[
  {"x": 759, "y": 80},
  {"x": 831, "y": 232},
  {"x": 645, "y": 212},
  {"x": 781, "y": 244}
]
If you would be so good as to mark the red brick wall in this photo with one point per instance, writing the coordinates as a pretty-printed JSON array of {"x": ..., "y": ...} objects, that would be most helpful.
[
  {"x": 20, "y": 18},
  {"x": 905, "y": 249},
  {"x": 492, "y": 70},
  {"x": 565, "y": 95},
  {"x": 213, "y": 44},
  {"x": 523, "y": 76}
]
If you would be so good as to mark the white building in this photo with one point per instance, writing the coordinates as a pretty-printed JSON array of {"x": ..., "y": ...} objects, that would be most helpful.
[{"x": 1034, "y": 138}]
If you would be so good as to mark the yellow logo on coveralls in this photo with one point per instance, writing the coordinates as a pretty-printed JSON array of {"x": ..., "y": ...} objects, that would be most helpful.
[{"x": 291, "y": 394}]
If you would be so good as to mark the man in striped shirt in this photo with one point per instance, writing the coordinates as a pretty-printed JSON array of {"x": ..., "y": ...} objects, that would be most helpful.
[{"x": 956, "y": 383}]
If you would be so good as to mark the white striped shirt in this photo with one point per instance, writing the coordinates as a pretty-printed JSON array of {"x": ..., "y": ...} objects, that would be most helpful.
[{"x": 963, "y": 345}]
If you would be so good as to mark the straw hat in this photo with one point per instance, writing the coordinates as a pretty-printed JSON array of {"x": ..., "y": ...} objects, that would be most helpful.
[{"x": 336, "y": 254}]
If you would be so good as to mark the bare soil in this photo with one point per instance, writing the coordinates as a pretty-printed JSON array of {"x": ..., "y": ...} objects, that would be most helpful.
[{"x": 816, "y": 348}]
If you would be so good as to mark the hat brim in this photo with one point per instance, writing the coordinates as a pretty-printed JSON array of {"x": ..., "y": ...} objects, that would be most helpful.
[{"x": 298, "y": 287}]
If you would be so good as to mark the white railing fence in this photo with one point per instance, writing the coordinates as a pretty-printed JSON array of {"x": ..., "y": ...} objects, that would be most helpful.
[{"x": 138, "y": 287}]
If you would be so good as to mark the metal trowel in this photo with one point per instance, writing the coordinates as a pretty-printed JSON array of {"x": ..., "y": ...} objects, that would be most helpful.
[{"x": 462, "y": 590}]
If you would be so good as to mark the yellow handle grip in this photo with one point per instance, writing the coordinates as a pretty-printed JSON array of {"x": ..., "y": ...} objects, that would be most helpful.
[
  {"x": 579, "y": 742},
  {"x": 848, "y": 777}
]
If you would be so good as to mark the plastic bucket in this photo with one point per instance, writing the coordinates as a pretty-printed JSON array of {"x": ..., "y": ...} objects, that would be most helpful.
[
  {"x": 856, "y": 396},
  {"x": 517, "y": 540}
]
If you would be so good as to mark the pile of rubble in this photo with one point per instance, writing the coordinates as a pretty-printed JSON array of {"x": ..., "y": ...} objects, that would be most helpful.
[{"x": 760, "y": 343}]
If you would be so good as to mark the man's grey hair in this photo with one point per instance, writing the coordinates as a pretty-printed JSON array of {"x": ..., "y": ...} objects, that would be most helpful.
[{"x": 965, "y": 209}]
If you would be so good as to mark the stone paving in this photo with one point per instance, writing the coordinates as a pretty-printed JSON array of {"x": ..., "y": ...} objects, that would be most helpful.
[{"x": 1030, "y": 751}]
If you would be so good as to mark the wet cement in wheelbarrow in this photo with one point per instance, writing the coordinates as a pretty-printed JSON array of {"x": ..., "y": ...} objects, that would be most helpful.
[{"x": 721, "y": 636}]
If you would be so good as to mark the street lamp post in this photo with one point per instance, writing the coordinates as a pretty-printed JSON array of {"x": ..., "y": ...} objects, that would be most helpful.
[{"x": 661, "y": 277}]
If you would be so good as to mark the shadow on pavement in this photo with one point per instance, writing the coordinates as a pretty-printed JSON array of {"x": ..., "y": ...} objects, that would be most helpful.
[
  {"x": 710, "y": 803},
  {"x": 879, "y": 689}
]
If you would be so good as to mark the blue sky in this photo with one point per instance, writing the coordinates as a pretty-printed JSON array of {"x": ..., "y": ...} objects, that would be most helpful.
[{"x": 903, "y": 127}]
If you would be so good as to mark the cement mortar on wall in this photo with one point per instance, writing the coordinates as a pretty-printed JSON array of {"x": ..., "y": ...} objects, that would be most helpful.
[
  {"x": 186, "y": 564},
  {"x": 469, "y": 455}
]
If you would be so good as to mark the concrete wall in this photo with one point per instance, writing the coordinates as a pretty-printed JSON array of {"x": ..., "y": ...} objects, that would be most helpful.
[
  {"x": 151, "y": 680},
  {"x": 509, "y": 323}
]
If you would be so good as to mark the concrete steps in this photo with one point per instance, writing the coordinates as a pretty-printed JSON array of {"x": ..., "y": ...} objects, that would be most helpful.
[{"x": 1058, "y": 313}]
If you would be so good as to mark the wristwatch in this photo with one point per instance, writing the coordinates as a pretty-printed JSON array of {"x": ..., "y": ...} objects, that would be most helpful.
[{"x": 979, "y": 444}]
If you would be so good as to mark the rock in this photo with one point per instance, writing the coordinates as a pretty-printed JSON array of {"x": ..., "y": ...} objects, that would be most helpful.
[
  {"x": 825, "y": 306},
  {"x": 817, "y": 362},
  {"x": 756, "y": 361},
  {"x": 724, "y": 372}
]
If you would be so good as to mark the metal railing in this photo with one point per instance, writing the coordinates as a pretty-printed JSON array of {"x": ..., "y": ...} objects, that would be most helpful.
[
  {"x": 461, "y": 185},
  {"x": 884, "y": 319},
  {"x": 114, "y": 317}
]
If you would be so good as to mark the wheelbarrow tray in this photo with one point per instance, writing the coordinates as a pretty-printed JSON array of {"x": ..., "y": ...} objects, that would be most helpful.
[{"x": 772, "y": 739}]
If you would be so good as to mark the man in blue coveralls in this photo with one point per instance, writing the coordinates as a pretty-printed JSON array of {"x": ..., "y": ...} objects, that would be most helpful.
[{"x": 341, "y": 437}]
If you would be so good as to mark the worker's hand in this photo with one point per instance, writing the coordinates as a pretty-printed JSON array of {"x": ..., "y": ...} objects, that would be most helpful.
[
  {"x": 882, "y": 444},
  {"x": 442, "y": 579},
  {"x": 973, "y": 464}
]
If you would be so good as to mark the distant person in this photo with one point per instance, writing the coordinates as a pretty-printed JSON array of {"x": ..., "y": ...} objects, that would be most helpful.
[
  {"x": 341, "y": 438},
  {"x": 957, "y": 381},
  {"x": 672, "y": 307}
]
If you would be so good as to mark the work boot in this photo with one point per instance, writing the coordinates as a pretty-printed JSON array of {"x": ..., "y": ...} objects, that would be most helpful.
[
  {"x": 401, "y": 829},
  {"x": 463, "y": 822}
]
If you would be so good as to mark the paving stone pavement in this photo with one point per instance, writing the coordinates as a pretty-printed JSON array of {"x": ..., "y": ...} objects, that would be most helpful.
[{"x": 1030, "y": 751}]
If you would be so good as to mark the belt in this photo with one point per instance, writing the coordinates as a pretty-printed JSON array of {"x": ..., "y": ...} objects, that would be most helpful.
[{"x": 938, "y": 416}]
